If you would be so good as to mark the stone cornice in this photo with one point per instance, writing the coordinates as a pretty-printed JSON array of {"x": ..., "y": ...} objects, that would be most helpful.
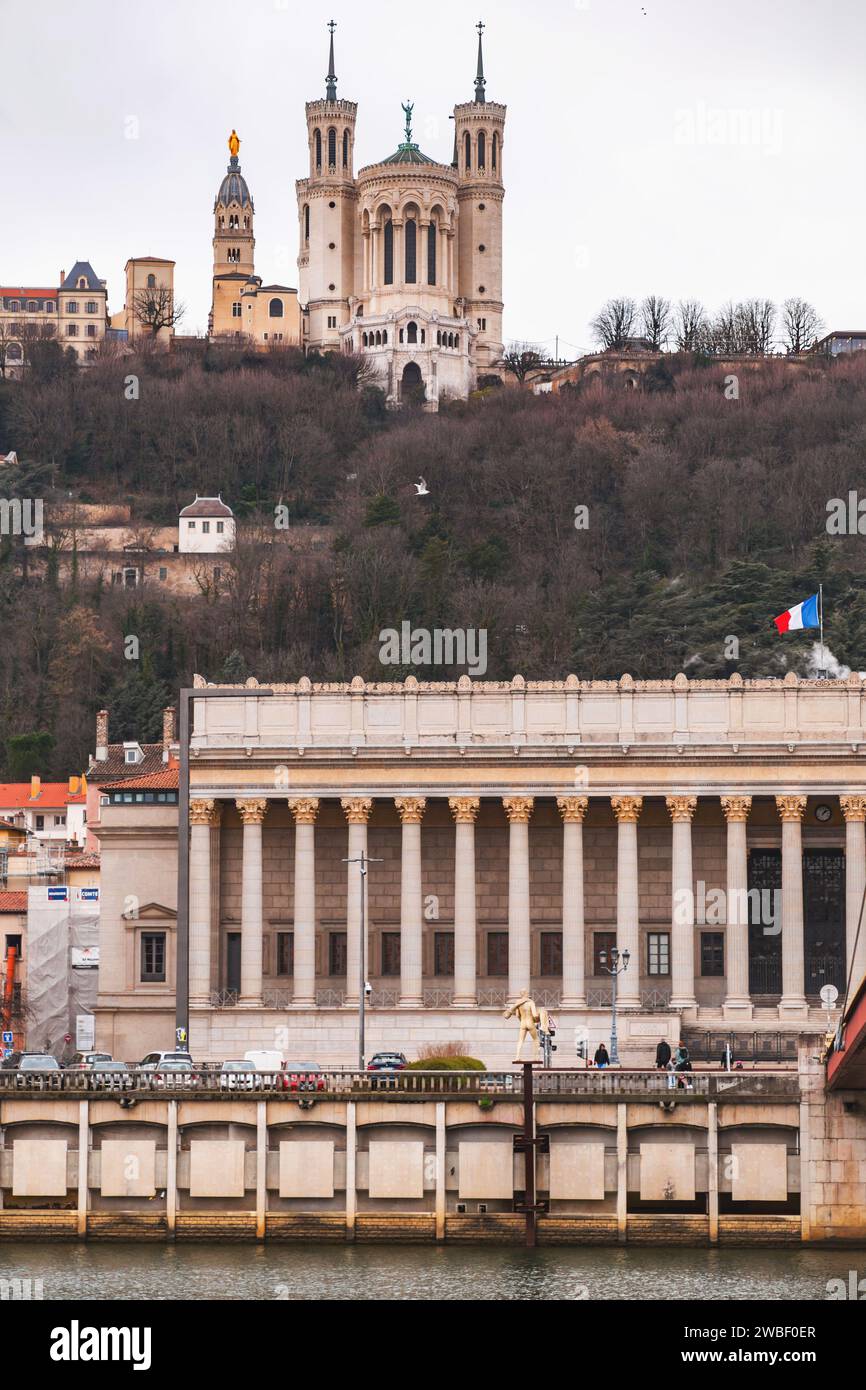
[{"x": 679, "y": 684}]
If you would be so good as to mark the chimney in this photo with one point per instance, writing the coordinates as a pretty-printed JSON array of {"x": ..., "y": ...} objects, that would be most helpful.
[
  {"x": 168, "y": 732},
  {"x": 62, "y": 278},
  {"x": 35, "y": 786},
  {"x": 101, "y": 754}
]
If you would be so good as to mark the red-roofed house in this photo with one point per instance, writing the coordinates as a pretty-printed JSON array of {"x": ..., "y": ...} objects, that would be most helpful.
[{"x": 55, "y": 812}]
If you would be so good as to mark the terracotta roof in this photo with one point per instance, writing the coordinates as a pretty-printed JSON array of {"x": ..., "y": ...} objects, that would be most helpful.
[
  {"x": 17, "y": 794},
  {"x": 82, "y": 861},
  {"x": 207, "y": 506},
  {"x": 115, "y": 766},
  {"x": 14, "y": 292},
  {"x": 13, "y": 902},
  {"x": 165, "y": 780}
]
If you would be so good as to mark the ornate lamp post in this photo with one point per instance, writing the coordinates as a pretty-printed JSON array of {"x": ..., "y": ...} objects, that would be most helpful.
[{"x": 618, "y": 965}]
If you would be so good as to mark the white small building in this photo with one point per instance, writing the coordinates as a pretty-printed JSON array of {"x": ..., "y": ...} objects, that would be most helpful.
[{"x": 207, "y": 526}]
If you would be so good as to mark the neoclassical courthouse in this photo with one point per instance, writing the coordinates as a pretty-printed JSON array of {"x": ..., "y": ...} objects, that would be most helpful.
[{"x": 516, "y": 831}]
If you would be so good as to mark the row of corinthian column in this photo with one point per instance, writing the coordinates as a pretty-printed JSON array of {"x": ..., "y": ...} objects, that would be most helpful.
[{"x": 205, "y": 813}]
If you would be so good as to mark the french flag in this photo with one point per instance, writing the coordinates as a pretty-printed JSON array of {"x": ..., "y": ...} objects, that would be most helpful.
[{"x": 801, "y": 615}]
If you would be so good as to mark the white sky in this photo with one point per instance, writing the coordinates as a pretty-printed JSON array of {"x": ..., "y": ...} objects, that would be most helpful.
[{"x": 627, "y": 167}]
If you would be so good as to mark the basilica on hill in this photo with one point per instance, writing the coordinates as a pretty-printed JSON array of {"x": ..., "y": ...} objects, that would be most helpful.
[{"x": 400, "y": 262}]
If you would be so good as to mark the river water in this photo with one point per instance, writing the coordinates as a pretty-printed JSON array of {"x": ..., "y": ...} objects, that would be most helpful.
[{"x": 387, "y": 1273}]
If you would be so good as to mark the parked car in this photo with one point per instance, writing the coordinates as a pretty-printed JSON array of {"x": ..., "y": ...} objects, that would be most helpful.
[
  {"x": 385, "y": 1066},
  {"x": 30, "y": 1061},
  {"x": 304, "y": 1076},
  {"x": 111, "y": 1076},
  {"x": 169, "y": 1067},
  {"x": 237, "y": 1076},
  {"x": 387, "y": 1061},
  {"x": 88, "y": 1061}
]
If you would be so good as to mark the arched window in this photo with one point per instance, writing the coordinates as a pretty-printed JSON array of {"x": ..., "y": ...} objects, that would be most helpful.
[
  {"x": 384, "y": 337},
  {"x": 151, "y": 282},
  {"x": 439, "y": 337},
  {"x": 457, "y": 340},
  {"x": 332, "y": 148},
  {"x": 389, "y": 252},
  {"x": 364, "y": 339},
  {"x": 411, "y": 331},
  {"x": 423, "y": 335},
  {"x": 275, "y": 309},
  {"x": 317, "y": 141},
  {"x": 495, "y": 151},
  {"x": 345, "y": 149},
  {"x": 431, "y": 253},
  {"x": 306, "y": 222},
  {"x": 401, "y": 335},
  {"x": 482, "y": 149},
  {"x": 378, "y": 338},
  {"x": 411, "y": 251},
  {"x": 13, "y": 352},
  {"x": 467, "y": 150}
]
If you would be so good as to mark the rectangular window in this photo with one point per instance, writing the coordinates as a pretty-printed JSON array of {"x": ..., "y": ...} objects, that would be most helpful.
[
  {"x": 72, "y": 306},
  {"x": 217, "y": 574},
  {"x": 205, "y": 527},
  {"x": 332, "y": 321},
  {"x": 153, "y": 957},
  {"x": 72, "y": 330},
  {"x": 337, "y": 953},
  {"x": 658, "y": 953},
  {"x": 90, "y": 307},
  {"x": 443, "y": 953},
  {"x": 191, "y": 525},
  {"x": 551, "y": 953},
  {"x": 390, "y": 953},
  {"x": 40, "y": 822},
  {"x": 712, "y": 953},
  {"x": 49, "y": 306},
  {"x": 285, "y": 953},
  {"x": 602, "y": 942},
  {"x": 163, "y": 572},
  {"x": 91, "y": 330},
  {"x": 236, "y": 309},
  {"x": 497, "y": 953},
  {"x": 220, "y": 527}
]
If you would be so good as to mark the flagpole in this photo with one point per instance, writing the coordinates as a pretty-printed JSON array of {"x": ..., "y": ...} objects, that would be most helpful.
[{"x": 821, "y": 622}]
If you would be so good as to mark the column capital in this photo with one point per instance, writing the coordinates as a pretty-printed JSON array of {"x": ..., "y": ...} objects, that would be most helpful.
[
  {"x": 357, "y": 809},
  {"x": 518, "y": 809},
  {"x": 682, "y": 808},
  {"x": 573, "y": 809},
  {"x": 853, "y": 807},
  {"x": 252, "y": 809},
  {"x": 410, "y": 808},
  {"x": 205, "y": 811},
  {"x": 627, "y": 808},
  {"x": 304, "y": 809},
  {"x": 791, "y": 808},
  {"x": 464, "y": 809},
  {"x": 736, "y": 808}
]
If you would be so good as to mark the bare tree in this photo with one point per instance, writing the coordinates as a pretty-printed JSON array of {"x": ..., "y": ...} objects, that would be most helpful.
[
  {"x": 801, "y": 324},
  {"x": 689, "y": 325},
  {"x": 757, "y": 319},
  {"x": 655, "y": 317},
  {"x": 156, "y": 308},
  {"x": 522, "y": 358},
  {"x": 614, "y": 323}
]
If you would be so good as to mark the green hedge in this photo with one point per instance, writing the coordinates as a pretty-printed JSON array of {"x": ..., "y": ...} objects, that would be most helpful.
[{"x": 447, "y": 1064}]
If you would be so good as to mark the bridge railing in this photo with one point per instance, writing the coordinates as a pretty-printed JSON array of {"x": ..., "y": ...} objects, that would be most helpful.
[{"x": 207, "y": 1081}]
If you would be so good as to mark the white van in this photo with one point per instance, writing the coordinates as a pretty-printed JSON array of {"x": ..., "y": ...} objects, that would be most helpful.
[{"x": 264, "y": 1061}]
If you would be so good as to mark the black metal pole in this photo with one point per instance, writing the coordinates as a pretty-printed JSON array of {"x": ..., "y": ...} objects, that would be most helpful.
[
  {"x": 529, "y": 1155},
  {"x": 187, "y": 696}
]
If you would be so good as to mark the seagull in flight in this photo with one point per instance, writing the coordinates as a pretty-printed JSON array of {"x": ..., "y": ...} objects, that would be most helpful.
[{"x": 421, "y": 488}]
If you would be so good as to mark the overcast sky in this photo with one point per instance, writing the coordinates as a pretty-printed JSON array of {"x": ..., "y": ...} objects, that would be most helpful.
[{"x": 682, "y": 147}]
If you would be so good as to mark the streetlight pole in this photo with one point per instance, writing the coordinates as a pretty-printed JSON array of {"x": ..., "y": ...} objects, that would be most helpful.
[
  {"x": 362, "y": 861},
  {"x": 619, "y": 964}
]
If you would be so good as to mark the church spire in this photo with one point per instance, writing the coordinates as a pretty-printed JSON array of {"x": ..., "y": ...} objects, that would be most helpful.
[
  {"x": 331, "y": 79},
  {"x": 480, "y": 84}
]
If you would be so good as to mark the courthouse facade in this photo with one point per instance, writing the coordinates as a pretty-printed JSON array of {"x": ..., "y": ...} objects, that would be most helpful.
[{"x": 516, "y": 831}]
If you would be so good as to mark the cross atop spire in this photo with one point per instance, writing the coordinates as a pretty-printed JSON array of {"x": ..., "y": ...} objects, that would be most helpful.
[
  {"x": 331, "y": 79},
  {"x": 480, "y": 84}
]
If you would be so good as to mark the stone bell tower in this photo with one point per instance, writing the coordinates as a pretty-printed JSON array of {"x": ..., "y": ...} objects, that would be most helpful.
[
  {"x": 479, "y": 128},
  {"x": 326, "y": 215},
  {"x": 233, "y": 211}
]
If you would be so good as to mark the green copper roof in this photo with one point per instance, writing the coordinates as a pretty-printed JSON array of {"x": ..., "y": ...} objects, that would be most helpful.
[{"x": 408, "y": 154}]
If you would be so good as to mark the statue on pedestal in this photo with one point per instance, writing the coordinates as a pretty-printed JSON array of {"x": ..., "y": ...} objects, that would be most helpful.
[{"x": 530, "y": 1018}]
